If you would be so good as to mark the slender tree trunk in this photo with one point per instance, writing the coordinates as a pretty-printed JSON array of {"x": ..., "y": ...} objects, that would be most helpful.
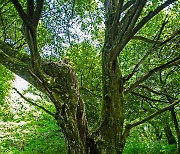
[
  {"x": 169, "y": 135},
  {"x": 173, "y": 114}
]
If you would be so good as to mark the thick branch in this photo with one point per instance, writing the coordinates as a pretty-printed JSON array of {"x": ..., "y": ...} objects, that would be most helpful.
[
  {"x": 3, "y": 26},
  {"x": 13, "y": 64},
  {"x": 19, "y": 65},
  {"x": 173, "y": 62},
  {"x": 34, "y": 104},
  {"x": 140, "y": 5},
  {"x": 118, "y": 13},
  {"x": 176, "y": 125},
  {"x": 30, "y": 9},
  {"x": 38, "y": 11},
  {"x": 22, "y": 14},
  {"x": 151, "y": 15},
  {"x": 7, "y": 49},
  {"x": 30, "y": 32},
  {"x": 128, "y": 4},
  {"x": 128, "y": 18},
  {"x": 126, "y": 25}
]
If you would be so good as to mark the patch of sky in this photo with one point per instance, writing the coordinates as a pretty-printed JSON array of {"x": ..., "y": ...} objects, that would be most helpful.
[{"x": 68, "y": 28}]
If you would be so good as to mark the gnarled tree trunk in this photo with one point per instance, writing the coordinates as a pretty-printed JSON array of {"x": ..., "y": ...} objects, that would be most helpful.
[{"x": 70, "y": 113}]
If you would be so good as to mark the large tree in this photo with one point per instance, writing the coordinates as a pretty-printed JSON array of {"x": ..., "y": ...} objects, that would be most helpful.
[{"x": 125, "y": 21}]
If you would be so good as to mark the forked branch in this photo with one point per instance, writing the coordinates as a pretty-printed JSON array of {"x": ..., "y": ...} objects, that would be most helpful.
[
  {"x": 156, "y": 92},
  {"x": 148, "y": 98},
  {"x": 30, "y": 29}
]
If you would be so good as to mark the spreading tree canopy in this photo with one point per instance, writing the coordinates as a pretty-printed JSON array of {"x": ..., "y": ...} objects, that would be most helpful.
[{"x": 119, "y": 51}]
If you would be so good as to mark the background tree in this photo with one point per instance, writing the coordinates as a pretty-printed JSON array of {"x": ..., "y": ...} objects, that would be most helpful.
[{"x": 27, "y": 53}]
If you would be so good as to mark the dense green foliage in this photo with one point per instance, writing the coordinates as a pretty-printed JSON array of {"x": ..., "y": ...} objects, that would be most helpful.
[
  {"x": 75, "y": 30},
  {"x": 5, "y": 83},
  {"x": 41, "y": 135}
]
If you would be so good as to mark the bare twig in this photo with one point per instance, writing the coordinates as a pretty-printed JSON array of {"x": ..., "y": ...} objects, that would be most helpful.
[
  {"x": 156, "y": 92},
  {"x": 148, "y": 98},
  {"x": 146, "y": 40}
]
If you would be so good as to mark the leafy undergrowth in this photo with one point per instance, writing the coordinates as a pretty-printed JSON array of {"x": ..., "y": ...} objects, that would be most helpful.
[
  {"x": 41, "y": 135},
  {"x": 149, "y": 148},
  {"x": 46, "y": 141},
  {"x": 139, "y": 144}
]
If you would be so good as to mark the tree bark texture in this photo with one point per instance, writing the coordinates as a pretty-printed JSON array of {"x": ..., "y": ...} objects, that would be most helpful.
[
  {"x": 58, "y": 80},
  {"x": 111, "y": 128},
  {"x": 70, "y": 113}
]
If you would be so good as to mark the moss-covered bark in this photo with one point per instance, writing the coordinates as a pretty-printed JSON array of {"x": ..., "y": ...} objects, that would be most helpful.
[
  {"x": 58, "y": 80},
  {"x": 111, "y": 127}
]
